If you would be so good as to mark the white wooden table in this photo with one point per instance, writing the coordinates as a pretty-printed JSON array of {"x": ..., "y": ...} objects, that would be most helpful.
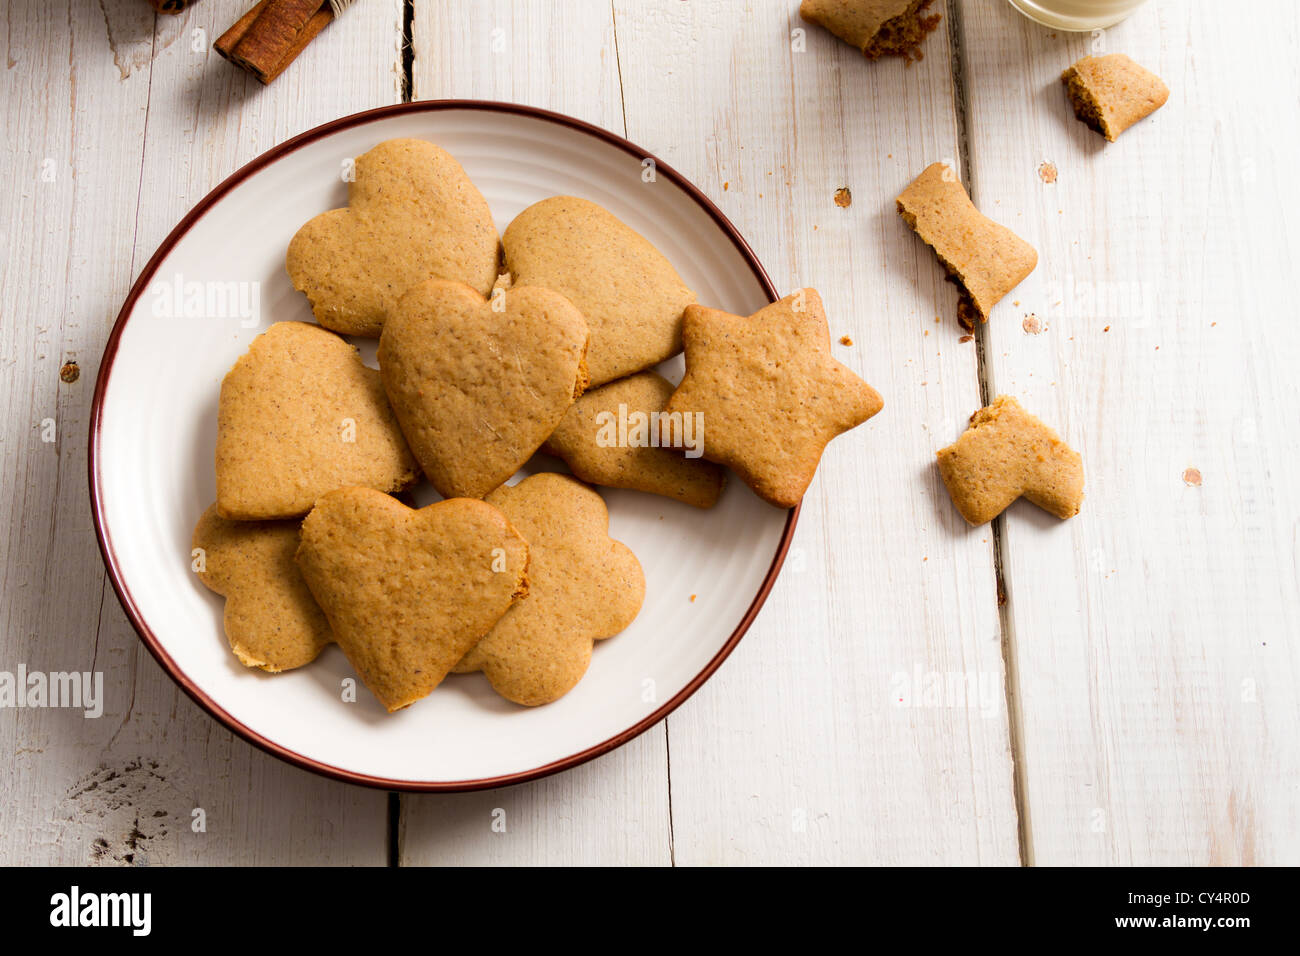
[{"x": 1139, "y": 682}]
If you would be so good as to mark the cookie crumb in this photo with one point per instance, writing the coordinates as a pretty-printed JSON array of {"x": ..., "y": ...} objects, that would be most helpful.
[
  {"x": 70, "y": 372},
  {"x": 845, "y": 340},
  {"x": 726, "y": 185},
  {"x": 1106, "y": 329},
  {"x": 1032, "y": 324},
  {"x": 966, "y": 338},
  {"x": 693, "y": 598},
  {"x": 1192, "y": 477},
  {"x": 1047, "y": 172},
  {"x": 843, "y": 197}
]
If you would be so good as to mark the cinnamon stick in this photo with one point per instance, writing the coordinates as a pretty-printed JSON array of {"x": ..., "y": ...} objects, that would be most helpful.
[{"x": 270, "y": 36}]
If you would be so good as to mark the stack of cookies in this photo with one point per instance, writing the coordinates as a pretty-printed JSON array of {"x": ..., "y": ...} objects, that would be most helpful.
[{"x": 490, "y": 349}]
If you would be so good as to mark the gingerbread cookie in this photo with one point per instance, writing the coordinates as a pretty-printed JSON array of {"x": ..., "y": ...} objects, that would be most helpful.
[
  {"x": 613, "y": 436},
  {"x": 271, "y": 619},
  {"x": 1110, "y": 93},
  {"x": 478, "y": 385},
  {"x": 583, "y": 586},
  {"x": 876, "y": 27},
  {"x": 630, "y": 295},
  {"x": 299, "y": 415},
  {"x": 770, "y": 395},
  {"x": 985, "y": 259},
  {"x": 1007, "y": 453},
  {"x": 409, "y": 592},
  {"x": 412, "y": 214}
]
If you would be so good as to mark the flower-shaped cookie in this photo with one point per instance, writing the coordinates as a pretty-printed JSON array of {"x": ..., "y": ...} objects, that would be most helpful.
[
  {"x": 271, "y": 619},
  {"x": 582, "y": 586}
]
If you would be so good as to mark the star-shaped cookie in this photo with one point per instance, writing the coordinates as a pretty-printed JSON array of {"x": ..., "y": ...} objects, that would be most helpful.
[{"x": 766, "y": 394}]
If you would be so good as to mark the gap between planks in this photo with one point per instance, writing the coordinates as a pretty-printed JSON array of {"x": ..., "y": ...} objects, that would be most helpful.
[{"x": 984, "y": 370}]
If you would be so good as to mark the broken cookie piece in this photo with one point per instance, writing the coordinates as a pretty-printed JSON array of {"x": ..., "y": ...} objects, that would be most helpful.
[
  {"x": 1110, "y": 93},
  {"x": 876, "y": 27},
  {"x": 985, "y": 259},
  {"x": 1007, "y": 453}
]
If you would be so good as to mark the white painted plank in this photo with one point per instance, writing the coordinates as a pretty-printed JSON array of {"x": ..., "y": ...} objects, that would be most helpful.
[
  {"x": 119, "y": 113},
  {"x": 798, "y": 750},
  {"x": 1154, "y": 633},
  {"x": 556, "y": 55}
]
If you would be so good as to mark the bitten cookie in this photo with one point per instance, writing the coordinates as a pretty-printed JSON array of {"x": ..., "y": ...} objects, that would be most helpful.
[
  {"x": 583, "y": 586},
  {"x": 1006, "y": 453},
  {"x": 770, "y": 393},
  {"x": 1110, "y": 93},
  {"x": 412, "y": 214},
  {"x": 409, "y": 592},
  {"x": 985, "y": 259},
  {"x": 630, "y": 295},
  {"x": 876, "y": 27},
  {"x": 299, "y": 415},
  {"x": 478, "y": 385},
  {"x": 271, "y": 619},
  {"x": 613, "y": 436}
]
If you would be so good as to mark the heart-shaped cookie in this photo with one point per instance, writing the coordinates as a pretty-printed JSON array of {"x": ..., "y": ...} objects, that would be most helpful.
[
  {"x": 299, "y": 415},
  {"x": 271, "y": 619},
  {"x": 630, "y": 295},
  {"x": 478, "y": 386},
  {"x": 409, "y": 592},
  {"x": 412, "y": 214},
  {"x": 582, "y": 586}
]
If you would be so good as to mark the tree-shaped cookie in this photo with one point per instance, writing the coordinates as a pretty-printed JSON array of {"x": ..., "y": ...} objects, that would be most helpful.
[
  {"x": 1007, "y": 453},
  {"x": 582, "y": 586},
  {"x": 412, "y": 214},
  {"x": 271, "y": 619},
  {"x": 299, "y": 415},
  {"x": 408, "y": 592},
  {"x": 767, "y": 393}
]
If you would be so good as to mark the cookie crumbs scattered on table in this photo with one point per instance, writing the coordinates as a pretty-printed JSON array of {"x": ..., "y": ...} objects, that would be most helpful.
[
  {"x": 1047, "y": 172},
  {"x": 844, "y": 197},
  {"x": 1192, "y": 477},
  {"x": 845, "y": 340},
  {"x": 1032, "y": 324},
  {"x": 966, "y": 338},
  {"x": 70, "y": 372},
  {"x": 693, "y": 598}
]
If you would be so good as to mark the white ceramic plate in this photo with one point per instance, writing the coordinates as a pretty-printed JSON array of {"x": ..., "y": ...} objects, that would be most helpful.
[{"x": 153, "y": 434}]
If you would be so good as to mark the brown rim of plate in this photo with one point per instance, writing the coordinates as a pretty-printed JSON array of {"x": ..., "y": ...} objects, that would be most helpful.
[{"x": 106, "y": 369}]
